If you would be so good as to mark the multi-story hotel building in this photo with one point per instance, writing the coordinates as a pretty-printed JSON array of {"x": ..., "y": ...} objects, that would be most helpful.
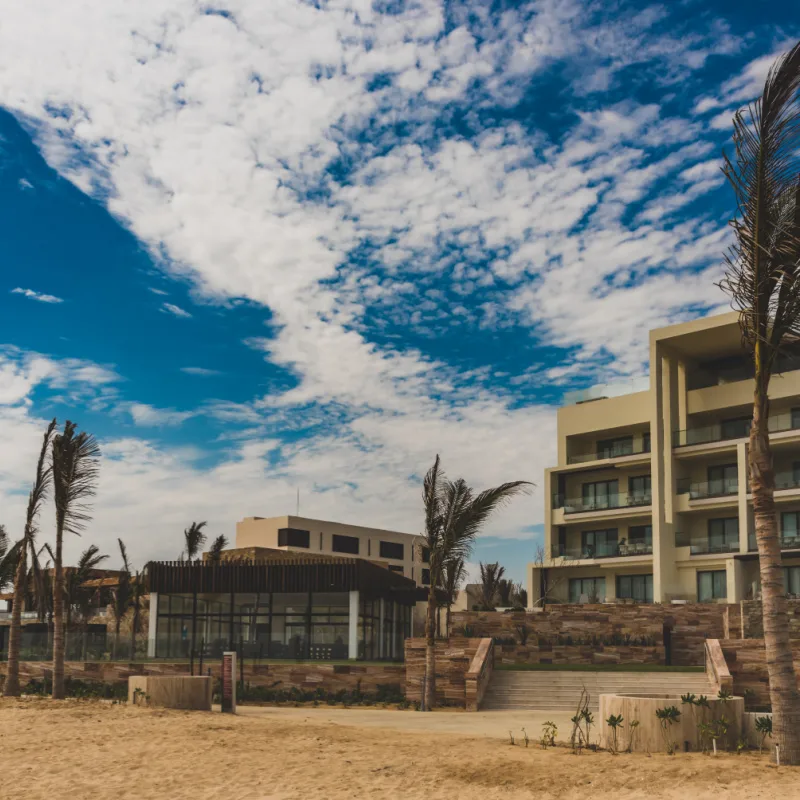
[{"x": 650, "y": 498}]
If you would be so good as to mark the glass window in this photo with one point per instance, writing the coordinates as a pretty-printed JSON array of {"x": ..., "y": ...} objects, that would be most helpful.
[
  {"x": 790, "y": 527},
  {"x": 291, "y": 537},
  {"x": 640, "y": 534},
  {"x": 712, "y": 585},
  {"x": 646, "y": 442},
  {"x": 796, "y": 418},
  {"x": 723, "y": 534},
  {"x": 601, "y": 494},
  {"x": 587, "y": 590},
  {"x": 392, "y": 550},
  {"x": 395, "y": 568},
  {"x": 737, "y": 428},
  {"x": 426, "y": 576},
  {"x": 635, "y": 587},
  {"x": 426, "y": 555},
  {"x": 597, "y": 544},
  {"x": 791, "y": 580},
  {"x": 611, "y": 448},
  {"x": 723, "y": 479},
  {"x": 639, "y": 489},
  {"x": 345, "y": 544}
]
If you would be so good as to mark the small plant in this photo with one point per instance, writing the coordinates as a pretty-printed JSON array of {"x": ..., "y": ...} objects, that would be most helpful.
[
  {"x": 704, "y": 734},
  {"x": 667, "y": 717},
  {"x": 525, "y": 734},
  {"x": 511, "y": 737},
  {"x": 588, "y": 720},
  {"x": 741, "y": 744},
  {"x": 702, "y": 702},
  {"x": 614, "y": 722},
  {"x": 523, "y": 632},
  {"x": 688, "y": 699},
  {"x": 549, "y": 733},
  {"x": 764, "y": 727},
  {"x": 632, "y": 727},
  {"x": 582, "y": 715},
  {"x": 725, "y": 695},
  {"x": 719, "y": 730}
]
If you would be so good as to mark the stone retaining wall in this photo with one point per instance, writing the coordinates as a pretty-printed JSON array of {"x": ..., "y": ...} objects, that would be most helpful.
[
  {"x": 747, "y": 663},
  {"x": 746, "y": 619},
  {"x": 578, "y": 654},
  {"x": 453, "y": 660}
]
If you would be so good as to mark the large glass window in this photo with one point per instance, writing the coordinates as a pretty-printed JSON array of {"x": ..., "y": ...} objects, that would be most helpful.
[
  {"x": 723, "y": 480},
  {"x": 392, "y": 550},
  {"x": 345, "y": 544},
  {"x": 723, "y": 534},
  {"x": 611, "y": 448},
  {"x": 289, "y": 635},
  {"x": 737, "y": 428},
  {"x": 639, "y": 490},
  {"x": 330, "y": 623},
  {"x": 601, "y": 494},
  {"x": 646, "y": 442},
  {"x": 791, "y": 580},
  {"x": 635, "y": 587},
  {"x": 292, "y": 537},
  {"x": 640, "y": 534},
  {"x": 790, "y": 527},
  {"x": 712, "y": 585},
  {"x": 598, "y": 544},
  {"x": 587, "y": 590}
]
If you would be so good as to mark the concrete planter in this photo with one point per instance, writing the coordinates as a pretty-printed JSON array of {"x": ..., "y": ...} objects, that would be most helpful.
[{"x": 174, "y": 691}]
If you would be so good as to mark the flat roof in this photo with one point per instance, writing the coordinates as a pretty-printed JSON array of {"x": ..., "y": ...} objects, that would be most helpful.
[{"x": 293, "y": 518}]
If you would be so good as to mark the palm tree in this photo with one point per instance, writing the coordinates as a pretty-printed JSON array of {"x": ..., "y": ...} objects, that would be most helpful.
[
  {"x": 122, "y": 597},
  {"x": 137, "y": 595},
  {"x": 505, "y": 592},
  {"x": 454, "y": 574},
  {"x": 217, "y": 546},
  {"x": 491, "y": 575},
  {"x": 194, "y": 539},
  {"x": 454, "y": 516},
  {"x": 9, "y": 558},
  {"x": 75, "y": 474},
  {"x": 763, "y": 279},
  {"x": 79, "y": 596},
  {"x": 38, "y": 493}
]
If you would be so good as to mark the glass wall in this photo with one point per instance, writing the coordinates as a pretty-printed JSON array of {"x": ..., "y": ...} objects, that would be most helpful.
[{"x": 294, "y": 626}]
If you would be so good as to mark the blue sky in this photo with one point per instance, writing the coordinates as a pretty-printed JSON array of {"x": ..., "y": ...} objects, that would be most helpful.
[{"x": 257, "y": 248}]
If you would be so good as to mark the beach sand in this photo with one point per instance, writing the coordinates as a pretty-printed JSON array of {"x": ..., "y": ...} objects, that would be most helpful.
[{"x": 81, "y": 750}]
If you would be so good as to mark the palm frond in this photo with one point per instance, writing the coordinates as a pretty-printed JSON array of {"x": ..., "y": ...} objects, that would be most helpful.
[
  {"x": 763, "y": 275},
  {"x": 194, "y": 539},
  {"x": 491, "y": 574},
  {"x": 9, "y": 559},
  {"x": 124, "y": 553},
  {"x": 432, "y": 504},
  {"x": 75, "y": 474},
  {"x": 217, "y": 546},
  {"x": 41, "y": 483}
]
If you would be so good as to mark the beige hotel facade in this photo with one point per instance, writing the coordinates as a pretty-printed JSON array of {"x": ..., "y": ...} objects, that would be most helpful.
[{"x": 649, "y": 500}]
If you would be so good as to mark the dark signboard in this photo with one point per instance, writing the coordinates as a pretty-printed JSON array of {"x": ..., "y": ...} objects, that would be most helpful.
[{"x": 229, "y": 682}]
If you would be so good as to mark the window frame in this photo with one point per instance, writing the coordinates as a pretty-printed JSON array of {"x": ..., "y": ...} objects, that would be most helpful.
[
  {"x": 715, "y": 575},
  {"x": 385, "y": 547},
  {"x": 340, "y": 539},
  {"x": 287, "y": 534}
]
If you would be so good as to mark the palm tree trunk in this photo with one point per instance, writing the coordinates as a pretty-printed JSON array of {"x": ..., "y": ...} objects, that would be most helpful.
[
  {"x": 430, "y": 650},
  {"x": 783, "y": 692},
  {"x": 134, "y": 627},
  {"x": 58, "y": 622},
  {"x": 117, "y": 624},
  {"x": 11, "y": 688},
  {"x": 447, "y": 621}
]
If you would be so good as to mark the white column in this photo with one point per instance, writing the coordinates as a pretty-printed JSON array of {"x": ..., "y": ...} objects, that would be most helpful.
[
  {"x": 152, "y": 629},
  {"x": 352, "y": 644},
  {"x": 380, "y": 628}
]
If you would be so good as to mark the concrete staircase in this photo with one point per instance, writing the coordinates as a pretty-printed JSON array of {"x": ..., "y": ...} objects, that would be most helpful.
[{"x": 542, "y": 690}]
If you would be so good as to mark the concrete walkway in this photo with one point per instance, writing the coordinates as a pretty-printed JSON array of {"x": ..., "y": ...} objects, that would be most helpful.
[{"x": 491, "y": 724}]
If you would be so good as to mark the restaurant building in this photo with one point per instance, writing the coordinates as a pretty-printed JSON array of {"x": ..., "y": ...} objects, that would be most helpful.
[{"x": 280, "y": 606}]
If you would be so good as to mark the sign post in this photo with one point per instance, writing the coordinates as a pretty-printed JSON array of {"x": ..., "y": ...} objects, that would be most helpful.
[{"x": 229, "y": 682}]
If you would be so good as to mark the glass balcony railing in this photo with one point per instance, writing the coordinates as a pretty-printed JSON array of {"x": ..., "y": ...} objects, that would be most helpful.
[
  {"x": 728, "y": 430},
  {"x": 705, "y": 546},
  {"x": 788, "y": 542},
  {"x": 787, "y": 480},
  {"x": 578, "y": 505},
  {"x": 724, "y": 487},
  {"x": 602, "y": 551},
  {"x": 610, "y": 452}
]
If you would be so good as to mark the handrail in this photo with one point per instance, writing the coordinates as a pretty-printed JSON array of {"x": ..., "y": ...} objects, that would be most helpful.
[
  {"x": 716, "y": 667},
  {"x": 479, "y": 673}
]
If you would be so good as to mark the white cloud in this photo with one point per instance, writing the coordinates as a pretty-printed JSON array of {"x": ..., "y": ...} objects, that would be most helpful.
[
  {"x": 169, "y": 308},
  {"x": 160, "y": 292},
  {"x": 33, "y": 295},
  {"x": 149, "y": 416},
  {"x": 200, "y": 371}
]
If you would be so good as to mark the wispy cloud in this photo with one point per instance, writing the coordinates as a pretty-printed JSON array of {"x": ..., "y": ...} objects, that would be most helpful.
[
  {"x": 40, "y": 296},
  {"x": 160, "y": 292},
  {"x": 169, "y": 308},
  {"x": 200, "y": 371},
  {"x": 150, "y": 416}
]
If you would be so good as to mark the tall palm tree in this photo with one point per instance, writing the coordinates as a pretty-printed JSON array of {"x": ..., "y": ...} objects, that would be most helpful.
[
  {"x": 491, "y": 575},
  {"x": 194, "y": 539},
  {"x": 37, "y": 495},
  {"x": 763, "y": 279},
  {"x": 75, "y": 473},
  {"x": 454, "y": 574},
  {"x": 217, "y": 546},
  {"x": 122, "y": 596},
  {"x": 454, "y": 515},
  {"x": 138, "y": 591}
]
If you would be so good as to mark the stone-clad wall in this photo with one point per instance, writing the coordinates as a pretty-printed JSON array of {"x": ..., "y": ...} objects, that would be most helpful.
[
  {"x": 690, "y": 626},
  {"x": 307, "y": 676},
  {"x": 578, "y": 654},
  {"x": 747, "y": 622},
  {"x": 747, "y": 663},
  {"x": 453, "y": 659}
]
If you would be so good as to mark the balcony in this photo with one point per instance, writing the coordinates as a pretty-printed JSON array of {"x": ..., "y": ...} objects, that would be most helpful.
[
  {"x": 604, "y": 551},
  {"x": 638, "y": 449},
  {"x": 731, "y": 430},
  {"x": 702, "y": 547},
  {"x": 704, "y": 490},
  {"x": 788, "y": 542},
  {"x": 580, "y": 505}
]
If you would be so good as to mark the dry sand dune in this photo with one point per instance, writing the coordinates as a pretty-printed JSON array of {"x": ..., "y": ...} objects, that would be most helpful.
[{"x": 78, "y": 750}]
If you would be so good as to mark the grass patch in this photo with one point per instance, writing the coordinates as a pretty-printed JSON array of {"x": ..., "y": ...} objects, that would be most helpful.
[{"x": 595, "y": 668}]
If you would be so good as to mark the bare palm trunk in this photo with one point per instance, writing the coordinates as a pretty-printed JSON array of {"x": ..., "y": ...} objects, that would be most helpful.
[
  {"x": 430, "y": 651},
  {"x": 783, "y": 692},
  {"x": 11, "y": 688},
  {"x": 58, "y": 622}
]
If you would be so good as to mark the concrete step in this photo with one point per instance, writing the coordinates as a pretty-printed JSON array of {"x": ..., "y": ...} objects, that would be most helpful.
[{"x": 561, "y": 690}]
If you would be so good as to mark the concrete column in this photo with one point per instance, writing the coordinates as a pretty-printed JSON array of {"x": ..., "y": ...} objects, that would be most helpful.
[
  {"x": 736, "y": 580},
  {"x": 152, "y": 629},
  {"x": 741, "y": 463},
  {"x": 352, "y": 643},
  {"x": 380, "y": 627}
]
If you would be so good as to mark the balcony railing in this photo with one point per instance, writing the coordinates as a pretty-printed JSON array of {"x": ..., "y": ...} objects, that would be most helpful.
[
  {"x": 788, "y": 542},
  {"x": 733, "y": 429},
  {"x": 704, "y": 547},
  {"x": 602, "y": 551},
  {"x": 787, "y": 480},
  {"x": 612, "y": 452},
  {"x": 717, "y": 488},
  {"x": 579, "y": 505}
]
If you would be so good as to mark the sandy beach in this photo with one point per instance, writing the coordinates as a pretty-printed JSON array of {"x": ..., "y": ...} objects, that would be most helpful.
[{"x": 98, "y": 750}]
